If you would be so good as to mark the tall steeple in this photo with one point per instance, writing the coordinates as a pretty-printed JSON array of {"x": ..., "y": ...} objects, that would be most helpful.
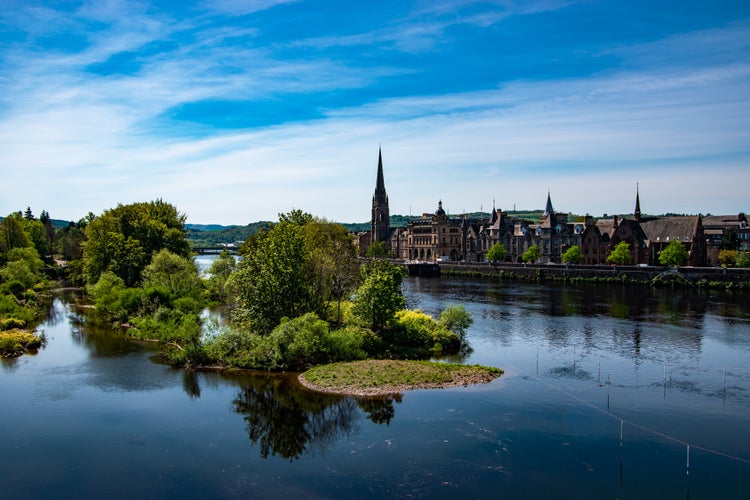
[
  {"x": 380, "y": 224},
  {"x": 548, "y": 209},
  {"x": 637, "y": 213}
]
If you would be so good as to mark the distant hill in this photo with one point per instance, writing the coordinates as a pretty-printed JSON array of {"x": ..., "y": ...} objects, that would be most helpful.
[{"x": 210, "y": 235}]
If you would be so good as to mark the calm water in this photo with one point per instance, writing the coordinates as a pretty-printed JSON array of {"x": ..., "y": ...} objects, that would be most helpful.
[{"x": 95, "y": 416}]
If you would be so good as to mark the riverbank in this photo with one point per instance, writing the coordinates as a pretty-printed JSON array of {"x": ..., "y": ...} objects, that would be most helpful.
[
  {"x": 700, "y": 277},
  {"x": 371, "y": 378},
  {"x": 16, "y": 342}
]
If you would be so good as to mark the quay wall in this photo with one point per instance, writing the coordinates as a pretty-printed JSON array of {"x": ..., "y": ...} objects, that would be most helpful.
[{"x": 625, "y": 273}]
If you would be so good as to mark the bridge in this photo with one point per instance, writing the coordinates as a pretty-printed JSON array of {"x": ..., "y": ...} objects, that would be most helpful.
[{"x": 215, "y": 250}]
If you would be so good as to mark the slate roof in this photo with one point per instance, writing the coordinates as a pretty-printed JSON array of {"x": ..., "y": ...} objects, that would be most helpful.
[{"x": 666, "y": 229}]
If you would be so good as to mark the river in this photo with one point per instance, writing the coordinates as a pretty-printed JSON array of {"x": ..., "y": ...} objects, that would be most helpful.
[{"x": 609, "y": 392}]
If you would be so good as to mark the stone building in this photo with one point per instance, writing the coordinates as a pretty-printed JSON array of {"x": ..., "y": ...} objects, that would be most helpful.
[
  {"x": 647, "y": 237},
  {"x": 553, "y": 234},
  {"x": 438, "y": 236},
  {"x": 725, "y": 232}
]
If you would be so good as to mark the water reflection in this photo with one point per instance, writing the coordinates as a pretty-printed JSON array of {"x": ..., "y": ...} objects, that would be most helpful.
[{"x": 288, "y": 421}]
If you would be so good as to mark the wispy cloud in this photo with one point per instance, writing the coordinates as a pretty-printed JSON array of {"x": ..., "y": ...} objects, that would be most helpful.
[{"x": 85, "y": 138}]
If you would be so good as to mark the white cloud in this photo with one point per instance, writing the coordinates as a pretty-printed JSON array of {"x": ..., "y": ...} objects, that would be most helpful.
[{"x": 84, "y": 142}]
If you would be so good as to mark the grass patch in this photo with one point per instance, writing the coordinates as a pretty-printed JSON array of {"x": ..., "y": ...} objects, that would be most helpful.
[{"x": 379, "y": 377}]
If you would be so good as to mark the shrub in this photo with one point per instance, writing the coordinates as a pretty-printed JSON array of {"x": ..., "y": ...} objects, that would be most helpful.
[
  {"x": 15, "y": 342},
  {"x": 420, "y": 332},
  {"x": 457, "y": 319},
  {"x": 11, "y": 323},
  {"x": 302, "y": 342},
  {"x": 347, "y": 344},
  {"x": 14, "y": 287}
]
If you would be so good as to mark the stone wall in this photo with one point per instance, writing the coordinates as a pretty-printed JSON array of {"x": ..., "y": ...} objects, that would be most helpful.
[{"x": 633, "y": 273}]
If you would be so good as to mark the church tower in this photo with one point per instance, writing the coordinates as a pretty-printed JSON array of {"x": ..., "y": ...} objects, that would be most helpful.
[
  {"x": 637, "y": 212},
  {"x": 381, "y": 217}
]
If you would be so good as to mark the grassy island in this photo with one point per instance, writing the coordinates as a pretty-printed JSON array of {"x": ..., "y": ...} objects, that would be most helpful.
[{"x": 382, "y": 377}]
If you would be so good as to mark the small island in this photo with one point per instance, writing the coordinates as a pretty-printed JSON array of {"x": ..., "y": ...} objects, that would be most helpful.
[{"x": 371, "y": 378}]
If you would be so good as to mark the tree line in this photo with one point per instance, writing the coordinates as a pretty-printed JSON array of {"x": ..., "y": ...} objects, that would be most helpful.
[
  {"x": 674, "y": 254},
  {"x": 298, "y": 294}
]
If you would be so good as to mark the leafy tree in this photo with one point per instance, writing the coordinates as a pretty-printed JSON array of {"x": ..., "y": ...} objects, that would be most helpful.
[
  {"x": 178, "y": 275},
  {"x": 218, "y": 274},
  {"x": 124, "y": 239},
  {"x": 300, "y": 265},
  {"x": 675, "y": 254},
  {"x": 457, "y": 319},
  {"x": 531, "y": 255},
  {"x": 621, "y": 254},
  {"x": 379, "y": 296},
  {"x": 296, "y": 216},
  {"x": 12, "y": 234},
  {"x": 49, "y": 229},
  {"x": 727, "y": 257},
  {"x": 742, "y": 259},
  {"x": 377, "y": 250},
  {"x": 573, "y": 255},
  {"x": 37, "y": 233},
  {"x": 333, "y": 264},
  {"x": 271, "y": 280},
  {"x": 497, "y": 253}
]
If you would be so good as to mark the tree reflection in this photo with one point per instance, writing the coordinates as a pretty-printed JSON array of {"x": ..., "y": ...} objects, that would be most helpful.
[
  {"x": 380, "y": 410},
  {"x": 286, "y": 420}
]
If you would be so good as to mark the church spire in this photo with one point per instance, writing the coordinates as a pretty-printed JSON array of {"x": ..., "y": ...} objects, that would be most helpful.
[
  {"x": 380, "y": 194},
  {"x": 637, "y": 213},
  {"x": 380, "y": 224},
  {"x": 548, "y": 209}
]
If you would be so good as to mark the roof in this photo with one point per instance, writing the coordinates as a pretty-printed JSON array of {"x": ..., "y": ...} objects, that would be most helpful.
[{"x": 665, "y": 229}]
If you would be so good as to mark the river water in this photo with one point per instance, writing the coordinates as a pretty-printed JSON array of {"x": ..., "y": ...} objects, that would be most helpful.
[{"x": 609, "y": 392}]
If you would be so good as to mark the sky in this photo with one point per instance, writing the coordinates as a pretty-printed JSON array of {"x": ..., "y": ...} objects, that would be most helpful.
[{"x": 237, "y": 110}]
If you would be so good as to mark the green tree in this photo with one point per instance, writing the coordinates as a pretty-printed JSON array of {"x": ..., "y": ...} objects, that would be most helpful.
[
  {"x": 296, "y": 216},
  {"x": 531, "y": 255},
  {"x": 124, "y": 239},
  {"x": 742, "y": 259},
  {"x": 621, "y": 254},
  {"x": 24, "y": 266},
  {"x": 675, "y": 254},
  {"x": 12, "y": 235},
  {"x": 573, "y": 255},
  {"x": 379, "y": 296},
  {"x": 457, "y": 319},
  {"x": 178, "y": 275},
  {"x": 377, "y": 250},
  {"x": 272, "y": 280},
  {"x": 37, "y": 233},
  {"x": 727, "y": 257},
  {"x": 333, "y": 264},
  {"x": 218, "y": 275},
  {"x": 497, "y": 253}
]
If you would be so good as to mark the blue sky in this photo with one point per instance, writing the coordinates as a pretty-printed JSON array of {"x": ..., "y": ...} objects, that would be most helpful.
[{"x": 237, "y": 110}]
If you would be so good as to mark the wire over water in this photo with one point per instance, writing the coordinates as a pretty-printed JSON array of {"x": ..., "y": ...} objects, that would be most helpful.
[{"x": 639, "y": 426}]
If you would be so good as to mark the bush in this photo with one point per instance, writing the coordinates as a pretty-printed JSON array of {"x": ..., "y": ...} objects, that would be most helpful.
[
  {"x": 302, "y": 342},
  {"x": 348, "y": 344},
  {"x": 15, "y": 342},
  {"x": 15, "y": 288},
  {"x": 11, "y": 323},
  {"x": 421, "y": 334}
]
